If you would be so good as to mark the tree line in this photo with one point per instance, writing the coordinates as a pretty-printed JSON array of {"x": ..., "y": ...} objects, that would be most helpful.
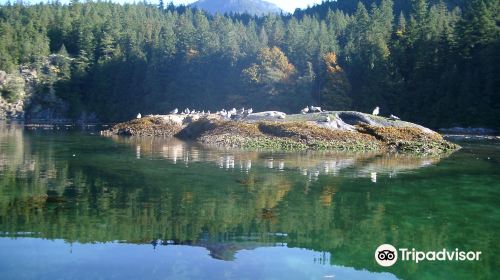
[{"x": 432, "y": 62}]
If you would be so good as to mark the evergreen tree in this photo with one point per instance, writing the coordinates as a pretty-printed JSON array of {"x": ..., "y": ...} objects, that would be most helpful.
[
  {"x": 335, "y": 93},
  {"x": 340, "y": 54}
]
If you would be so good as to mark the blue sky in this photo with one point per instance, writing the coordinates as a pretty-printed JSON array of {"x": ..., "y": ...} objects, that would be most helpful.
[{"x": 287, "y": 5}]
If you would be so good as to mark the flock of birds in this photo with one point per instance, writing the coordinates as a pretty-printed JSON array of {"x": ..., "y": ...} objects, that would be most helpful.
[
  {"x": 310, "y": 109},
  {"x": 227, "y": 114},
  {"x": 187, "y": 111},
  {"x": 243, "y": 113}
]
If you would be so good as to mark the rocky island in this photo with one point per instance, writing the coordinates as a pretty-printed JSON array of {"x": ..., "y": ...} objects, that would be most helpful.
[{"x": 330, "y": 130}]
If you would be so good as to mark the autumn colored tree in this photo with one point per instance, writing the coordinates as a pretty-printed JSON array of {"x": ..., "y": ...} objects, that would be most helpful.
[
  {"x": 272, "y": 66},
  {"x": 335, "y": 93}
]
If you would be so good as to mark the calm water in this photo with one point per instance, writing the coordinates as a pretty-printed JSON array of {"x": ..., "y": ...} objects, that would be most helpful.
[{"x": 74, "y": 205}]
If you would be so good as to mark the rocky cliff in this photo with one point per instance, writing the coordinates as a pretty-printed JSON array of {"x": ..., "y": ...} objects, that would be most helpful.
[{"x": 28, "y": 94}]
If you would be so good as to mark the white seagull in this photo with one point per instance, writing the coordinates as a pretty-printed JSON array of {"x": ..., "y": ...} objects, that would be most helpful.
[
  {"x": 139, "y": 116},
  {"x": 394, "y": 118},
  {"x": 174, "y": 111},
  {"x": 376, "y": 111},
  {"x": 305, "y": 110},
  {"x": 315, "y": 109}
]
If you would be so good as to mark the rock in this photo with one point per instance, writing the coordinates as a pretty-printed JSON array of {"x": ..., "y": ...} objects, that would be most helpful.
[
  {"x": 266, "y": 116},
  {"x": 148, "y": 126},
  {"x": 335, "y": 122},
  {"x": 265, "y": 130},
  {"x": 3, "y": 76},
  {"x": 22, "y": 92}
]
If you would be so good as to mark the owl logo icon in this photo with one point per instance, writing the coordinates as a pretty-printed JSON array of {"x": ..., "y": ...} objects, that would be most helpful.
[{"x": 386, "y": 255}]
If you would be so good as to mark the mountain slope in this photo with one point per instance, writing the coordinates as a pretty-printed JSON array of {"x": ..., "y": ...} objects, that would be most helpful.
[
  {"x": 350, "y": 6},
  {"x": 253, "y": 7}
]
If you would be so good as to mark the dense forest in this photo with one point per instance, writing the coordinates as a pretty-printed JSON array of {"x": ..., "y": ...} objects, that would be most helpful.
[{"x": 432, "y": 62}]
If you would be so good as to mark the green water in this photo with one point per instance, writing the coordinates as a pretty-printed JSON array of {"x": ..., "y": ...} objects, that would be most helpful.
[{"x": 75, "y": 205}]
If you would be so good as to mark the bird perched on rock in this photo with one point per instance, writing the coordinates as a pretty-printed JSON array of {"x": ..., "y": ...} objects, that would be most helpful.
[
  {"x": 245, "y": 114},
  {"x": 187, "y": 111},
  {"x": 232, "y": 112},
  {"x": 225, "y": 114},
  {"x": 376, "y": 111},
  {"x": 249, "y": 111},
  {"x": 139, "y": 116},
  {"x": 394, "y": 118},
  {"x": 281, "y": 115},
  {"x": 304, "y": 111},
  {"x": 315, "y": 109},
  {"x": 174, "y": 111}
]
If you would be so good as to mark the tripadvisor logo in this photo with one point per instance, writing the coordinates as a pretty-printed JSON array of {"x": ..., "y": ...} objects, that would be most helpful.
[{"x": 387, "y": 255}]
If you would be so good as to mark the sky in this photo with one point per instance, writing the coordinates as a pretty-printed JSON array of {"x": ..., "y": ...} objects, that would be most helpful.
[{"x": 286, "y": 5}]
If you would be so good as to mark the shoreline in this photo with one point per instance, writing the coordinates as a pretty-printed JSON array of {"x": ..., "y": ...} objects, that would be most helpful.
[{"x": 473, "y": 132}]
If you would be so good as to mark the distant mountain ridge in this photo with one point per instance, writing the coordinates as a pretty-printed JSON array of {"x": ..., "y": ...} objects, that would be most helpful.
[
  {"x": 253, "y": 7},
  {"x": 350, "y": 6}
]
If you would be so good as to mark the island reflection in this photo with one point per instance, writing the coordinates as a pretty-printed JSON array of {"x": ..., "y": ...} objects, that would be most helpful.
[{"x": 311, "y": 164}]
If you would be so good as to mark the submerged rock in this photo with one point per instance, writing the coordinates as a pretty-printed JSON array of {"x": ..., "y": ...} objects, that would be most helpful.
[{"x": 342, "y": 130}]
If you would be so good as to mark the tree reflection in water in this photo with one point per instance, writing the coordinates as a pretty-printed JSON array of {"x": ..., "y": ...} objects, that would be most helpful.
[{"x": 169, "y": 192}]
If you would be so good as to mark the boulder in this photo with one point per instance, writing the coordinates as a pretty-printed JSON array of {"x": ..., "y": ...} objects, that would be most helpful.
[{"x": 3, "y": 76}]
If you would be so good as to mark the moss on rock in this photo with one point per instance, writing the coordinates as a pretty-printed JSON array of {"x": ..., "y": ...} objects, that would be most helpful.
[
  {"x": 148, "y": 126},
  {"x": 409, "y": 139},
  {"x": 290, "y": 134},
  {"x": 283, "y": 136}
]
